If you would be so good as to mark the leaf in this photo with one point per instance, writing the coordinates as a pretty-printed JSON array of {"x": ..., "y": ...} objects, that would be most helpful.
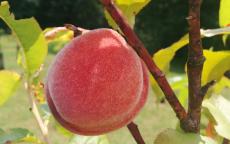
[
  {"x": 62, "y": 130},
  {"x": 60, "y": 33},
  {"x": 216, "y": 64},
  {"x": 180, "y": 86},
  {"x": 8, "y": 82},
  {"x": 57, "y": 38},
  {"x": 30, "y": 37},
  {"x": 102, "y": 139},
  {"x": 14, "y": 134},
  {"x": 223, "y": 83},
  {"x": 129, "y": 8},
  {"x": 219, "y": 107},
  {"x": 177, "y": 137},
  {"x": 163, "y": 58},
  {"x": 224, "y": 13},
  {"x": 30, "y": 139},
  {"x": 213, "y": 32}
]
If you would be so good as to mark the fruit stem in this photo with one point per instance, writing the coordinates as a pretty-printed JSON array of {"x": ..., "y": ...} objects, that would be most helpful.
[
  {"x": 34, "y": 109},
  {"x": 133, "y": 128},
  {"x": 139, "y": 47},
  {"x": 194, "y": 68}
]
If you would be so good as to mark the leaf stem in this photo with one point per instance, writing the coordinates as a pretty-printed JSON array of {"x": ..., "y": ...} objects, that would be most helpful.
[
  {"x": 34, "y": 109},
  {"x": 139, "y": 47}
]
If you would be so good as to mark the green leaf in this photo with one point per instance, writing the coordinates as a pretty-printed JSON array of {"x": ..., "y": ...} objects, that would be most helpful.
[
  {"x": 163, "y": 58},
  {"x": 102, "y": 139},
  {"x": 180, "y": 86},
  {"x": 216, "y": 64},
  {"x": 57, "y": 38},
  {"x": 8, "y": 82},
  {"x": 178, "y": 137},
  {"x": 30, "y": 37},
  {"x": 129, "y": 8},
  {"x": 62, "y": 130},
  {"x": 224, "y": 13},
  {"x": 219, "y": 107},
  {"x": 14, "y": 134}
]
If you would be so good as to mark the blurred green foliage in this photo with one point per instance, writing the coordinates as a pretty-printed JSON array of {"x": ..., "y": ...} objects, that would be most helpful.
[{"x": 160, "y": 23}]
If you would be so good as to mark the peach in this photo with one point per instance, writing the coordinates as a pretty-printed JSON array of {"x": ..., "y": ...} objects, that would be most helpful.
[{"x": 97, "y": 83}]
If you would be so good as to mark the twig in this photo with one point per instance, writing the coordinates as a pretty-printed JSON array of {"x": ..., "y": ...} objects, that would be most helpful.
[
  {"x": 214, "y": 32},
  {"x": 205, "y": 88},
  {"x": 34, "y": 110},
  {"x": 227, "y": 74},
  {"x": 139, "y": 47},
  {"x": 77, "y": 30},
  {"x": 52, "y": 33},
  {"x": 225, "y": 141},
  {"x": 133, "y": 128},
  {"x": 194, "y": 68}
]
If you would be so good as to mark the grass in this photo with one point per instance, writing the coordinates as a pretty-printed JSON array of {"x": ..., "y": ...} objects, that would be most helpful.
[{"x": 151, "y": 120}]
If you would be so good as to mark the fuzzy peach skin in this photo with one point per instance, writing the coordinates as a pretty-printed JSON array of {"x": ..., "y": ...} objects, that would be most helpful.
[{"x": 97, "y": 83}]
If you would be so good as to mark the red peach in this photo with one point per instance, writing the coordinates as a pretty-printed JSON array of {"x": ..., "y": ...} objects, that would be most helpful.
[{"x": 97, "y": 83}]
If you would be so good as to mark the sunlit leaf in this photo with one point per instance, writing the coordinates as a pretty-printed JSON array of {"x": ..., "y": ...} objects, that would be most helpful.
[
  {"x": 163, "y": 58},
  {"x": 57, "y": 38},
  {"x": 29, "y": 36},
  {"x": 129, "y": 8},
  {"x": 219, "y": 107},
  {"x": 8, "y": 82},
  {"x": 31, "y": 139},
  {"x": 216, "y": 64},
  {"x": 224, "y": 13},
  {"x": 102, "y": 139},
  {"x": 223, "y": 83},
  {"x": 177, "y": 137}
]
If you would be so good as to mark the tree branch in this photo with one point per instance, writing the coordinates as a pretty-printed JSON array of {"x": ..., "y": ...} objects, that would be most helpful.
[
  {"x": 205, "y": 88},
  {"x": 133, "y": 128},
  {"x": 139, "y": 47},
  {"x": 194, "y": 68}
]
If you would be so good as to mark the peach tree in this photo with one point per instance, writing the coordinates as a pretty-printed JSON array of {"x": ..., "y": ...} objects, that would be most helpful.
[{"x": 100, "y": 79}]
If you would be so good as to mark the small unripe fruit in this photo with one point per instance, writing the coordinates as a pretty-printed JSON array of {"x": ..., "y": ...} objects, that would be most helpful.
[{"x": 97, "y": 83}]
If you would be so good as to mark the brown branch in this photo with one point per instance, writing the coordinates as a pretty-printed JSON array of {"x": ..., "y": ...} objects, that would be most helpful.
[
  {"x": 225, "y": 141},
  {"x": 194, "y": 68},
  {"x": 205, "y": 88},
  {"x": 139, "y": 47},
  {"x": 133, "y": 128}
]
